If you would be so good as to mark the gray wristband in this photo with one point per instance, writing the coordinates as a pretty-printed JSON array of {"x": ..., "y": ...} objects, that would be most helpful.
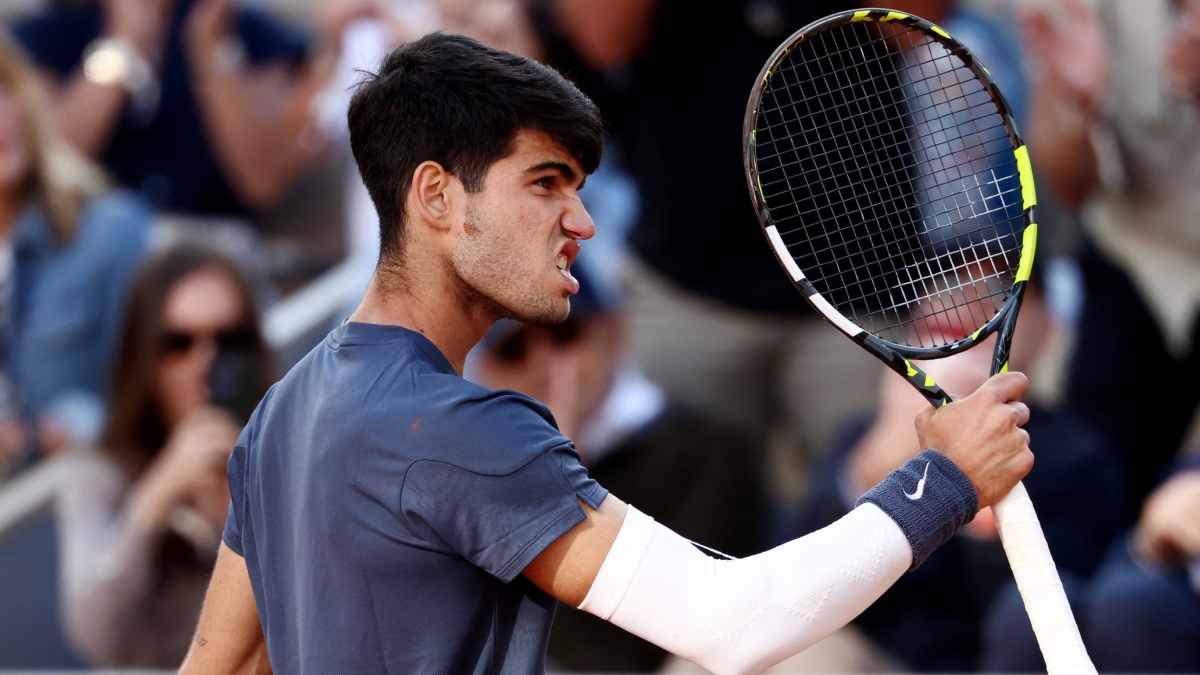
[{"x": 929, "y": 498}]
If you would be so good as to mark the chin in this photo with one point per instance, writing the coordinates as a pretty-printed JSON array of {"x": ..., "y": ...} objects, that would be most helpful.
[{"x": 548, "y": 315}]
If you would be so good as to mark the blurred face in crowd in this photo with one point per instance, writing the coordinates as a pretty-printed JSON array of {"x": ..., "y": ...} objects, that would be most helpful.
[
  {"x": 202, "y": 314},
  {"x": 569, "y": 366},
  {"x": 14, "y": 153}
]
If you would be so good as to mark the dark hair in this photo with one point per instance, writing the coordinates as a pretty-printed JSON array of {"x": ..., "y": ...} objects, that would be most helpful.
[
  {"x": 455, "y": 101},
  {"x": 137, "y": 428}
]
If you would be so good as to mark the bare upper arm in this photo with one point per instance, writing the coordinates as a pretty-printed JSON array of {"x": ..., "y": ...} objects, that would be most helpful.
[
  {"x": 229, "y": 637},
  {"x": 567, "y": 567}
]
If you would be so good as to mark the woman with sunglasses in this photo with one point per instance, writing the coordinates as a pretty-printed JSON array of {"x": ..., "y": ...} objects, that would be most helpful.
[{"x": 141, "y": 515}]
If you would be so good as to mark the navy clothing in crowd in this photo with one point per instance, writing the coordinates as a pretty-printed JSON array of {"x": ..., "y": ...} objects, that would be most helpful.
[{"x": 163, "y": 152}]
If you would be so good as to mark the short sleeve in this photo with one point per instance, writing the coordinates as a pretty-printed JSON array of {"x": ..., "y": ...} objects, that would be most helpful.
[
  {"x": 515, "y": 489},
  {"x": 235, "y": 469}
]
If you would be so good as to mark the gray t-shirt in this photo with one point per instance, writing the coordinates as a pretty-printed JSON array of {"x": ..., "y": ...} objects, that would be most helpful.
[{"x": 386, "y": 508}]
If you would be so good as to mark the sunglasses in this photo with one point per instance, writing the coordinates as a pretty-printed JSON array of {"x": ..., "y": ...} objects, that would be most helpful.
[{"x": 181, "y": 342}]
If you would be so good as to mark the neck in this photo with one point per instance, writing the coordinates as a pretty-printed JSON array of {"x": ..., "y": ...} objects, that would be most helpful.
[{"x": 432, "y": 309}]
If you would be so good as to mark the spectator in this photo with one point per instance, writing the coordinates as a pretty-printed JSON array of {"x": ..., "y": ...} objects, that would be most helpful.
[
  {"x": 141, "y": 513},
  {"x": 68, "y": 244},
  {"x": 686, "y": 472},
  {"x": 1115, "y": 133},
  {"x": 139, "y": 85},
  {"x": 1143, "y": 609}
]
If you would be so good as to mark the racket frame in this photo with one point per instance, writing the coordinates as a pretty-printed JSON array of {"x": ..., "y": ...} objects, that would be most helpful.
[
  {"x": 1022, "y": 536},
  {"x": 899, "y": 357}
]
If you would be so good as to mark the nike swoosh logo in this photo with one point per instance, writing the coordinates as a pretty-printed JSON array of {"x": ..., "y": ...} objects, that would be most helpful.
[{"x": 920, "y": 485}]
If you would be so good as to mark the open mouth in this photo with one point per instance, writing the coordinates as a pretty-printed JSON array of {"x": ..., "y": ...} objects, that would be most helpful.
[{"x": 566, "y": 256}]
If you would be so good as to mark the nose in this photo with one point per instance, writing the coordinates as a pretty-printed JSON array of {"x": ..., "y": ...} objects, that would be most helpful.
[{"x": 577, "y": 222}]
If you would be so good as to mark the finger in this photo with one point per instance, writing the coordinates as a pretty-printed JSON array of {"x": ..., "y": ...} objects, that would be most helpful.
[
  {"x": 925, "y": 415},
  {"x": 1021, "y": 412},
  {"x": 1008, "y": 386}
]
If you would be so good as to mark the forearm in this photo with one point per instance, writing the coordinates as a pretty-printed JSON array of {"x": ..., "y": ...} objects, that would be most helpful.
[
  {"x": 738, "y": 616},
  {"x": 1060, "y": 143},
  {"x": 606, "y": 33},
  {"x": 87, "y": 112},
  {"x": 245, "y": 116}
]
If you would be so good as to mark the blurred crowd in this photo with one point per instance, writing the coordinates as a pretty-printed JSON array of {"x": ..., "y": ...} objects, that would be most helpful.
[{"x": 149, "y": 147}]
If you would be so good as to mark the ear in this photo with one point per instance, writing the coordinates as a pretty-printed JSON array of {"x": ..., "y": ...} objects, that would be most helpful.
[{"x": 435, "y": 196}]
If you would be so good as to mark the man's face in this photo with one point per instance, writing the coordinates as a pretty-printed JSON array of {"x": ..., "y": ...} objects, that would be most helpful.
[{"x": 520, "y": 233}]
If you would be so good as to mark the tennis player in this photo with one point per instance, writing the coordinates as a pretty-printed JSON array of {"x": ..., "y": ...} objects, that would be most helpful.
[{"x": 390, "y": 516}]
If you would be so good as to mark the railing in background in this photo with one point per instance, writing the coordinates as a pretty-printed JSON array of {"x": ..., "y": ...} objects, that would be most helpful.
[{"x": 28, "y": 495}]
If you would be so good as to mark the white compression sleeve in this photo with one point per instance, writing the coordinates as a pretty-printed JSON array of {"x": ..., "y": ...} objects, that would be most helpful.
[{"x": 741, "y": 616}]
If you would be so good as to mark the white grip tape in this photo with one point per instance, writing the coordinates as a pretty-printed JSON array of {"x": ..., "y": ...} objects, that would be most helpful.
[{"x": 1040, "y": 586}]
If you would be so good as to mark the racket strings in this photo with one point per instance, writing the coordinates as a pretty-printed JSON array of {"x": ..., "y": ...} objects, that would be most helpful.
[
  {"x": 893, "y": 175},
  {"x": 813, "y": 149},
  {"x": 970, "y": 193},
  {"x": 895, "y": 187},
  {"x": 814, "y": 143},
  {"x": 856, "y": 119}
]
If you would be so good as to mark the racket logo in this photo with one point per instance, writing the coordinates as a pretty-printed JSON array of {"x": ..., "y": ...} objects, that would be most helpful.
[{"x": 920, "y": 485}]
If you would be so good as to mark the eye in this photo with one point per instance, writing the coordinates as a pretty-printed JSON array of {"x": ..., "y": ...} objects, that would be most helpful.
[{"x": 546, "y": 182}]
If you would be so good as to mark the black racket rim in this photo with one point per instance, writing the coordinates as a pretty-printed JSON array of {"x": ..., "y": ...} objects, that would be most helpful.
[{"x": 1029, "y": 231}]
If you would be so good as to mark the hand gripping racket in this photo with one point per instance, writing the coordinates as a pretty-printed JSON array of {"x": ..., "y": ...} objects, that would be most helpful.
[{"x": 891, "y": 183}]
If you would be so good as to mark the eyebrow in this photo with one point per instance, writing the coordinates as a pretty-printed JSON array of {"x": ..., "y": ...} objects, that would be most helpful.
[{"x": 562, "y": 168}]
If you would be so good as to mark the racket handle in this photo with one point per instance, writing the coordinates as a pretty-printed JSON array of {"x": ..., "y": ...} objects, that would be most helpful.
[{"x": 1041, "y": 589}]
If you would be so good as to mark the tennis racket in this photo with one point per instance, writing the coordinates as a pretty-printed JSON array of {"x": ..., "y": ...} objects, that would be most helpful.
[{"x": 891, "y": 183}]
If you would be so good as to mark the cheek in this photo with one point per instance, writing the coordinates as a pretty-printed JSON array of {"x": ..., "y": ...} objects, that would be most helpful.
[
  {"x": 486, "y": 258},
  {"x": 180, "y": 385},
  {"x": 164, "y": 381}
]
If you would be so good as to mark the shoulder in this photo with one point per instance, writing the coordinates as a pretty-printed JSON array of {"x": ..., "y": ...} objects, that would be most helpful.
[
  {"x": 119, "y": 205},
  {"x": 116, "y": 216},
  {"x": 488, "y": 431},
  {"x": 114, "y": 225}
]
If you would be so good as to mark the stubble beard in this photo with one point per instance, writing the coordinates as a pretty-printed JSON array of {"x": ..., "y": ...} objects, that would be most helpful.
[{"x": 492, "y": 279}]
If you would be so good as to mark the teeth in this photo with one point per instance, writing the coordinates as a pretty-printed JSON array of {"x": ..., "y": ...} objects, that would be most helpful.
[{"x": 561, "y": 262}]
